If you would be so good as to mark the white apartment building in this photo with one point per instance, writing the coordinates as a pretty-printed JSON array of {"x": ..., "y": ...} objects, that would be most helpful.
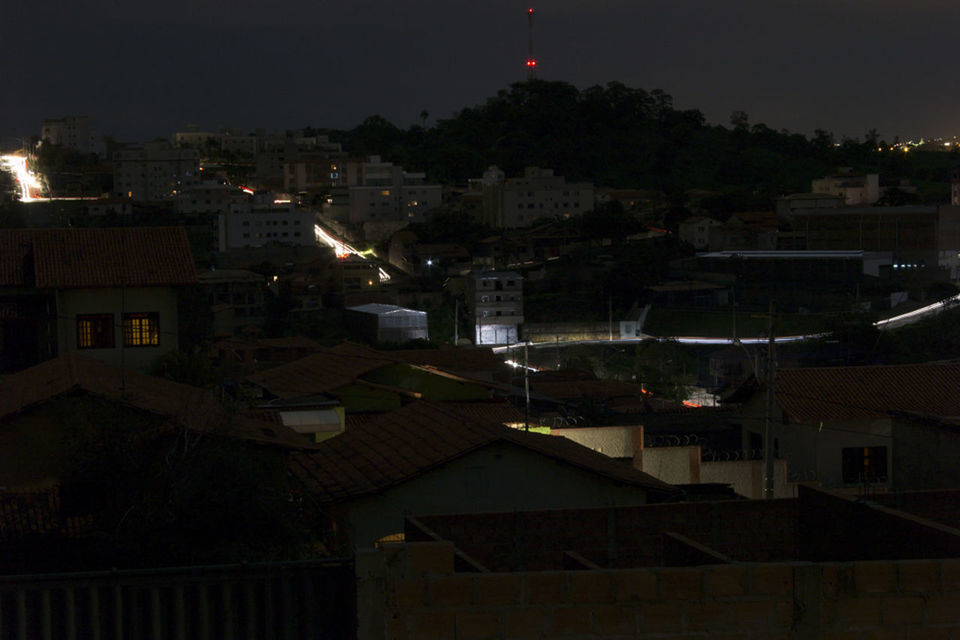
[
  {"x": 381, "y": 191},
  {"x": 262, "y": 220},
  {"x": 495, "y": 300},
  {"x": 854, "y": 189},
  {"x": 208, "y": 197},
  {"x": 509, "y": 203},
  {"x": 71, "y": 132},
  {"x": 154, "y": 171}
]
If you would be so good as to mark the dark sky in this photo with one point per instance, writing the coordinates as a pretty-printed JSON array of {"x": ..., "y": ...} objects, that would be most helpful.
[{"x": 148, "y": 69}]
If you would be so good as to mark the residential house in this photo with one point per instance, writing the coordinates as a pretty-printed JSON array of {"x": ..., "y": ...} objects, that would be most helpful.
[
  {"x": 696, "y": 231},
  {"x": 427, "y": 458},
  {"x": 367, "y": 380},
  {"x": 855, "y": 189},
  {"x": 109, "y": 293},
  {"x": 236, "y": 299},
  {"x": 42, "y": 406},
  {"x": 874, "y": 428}
]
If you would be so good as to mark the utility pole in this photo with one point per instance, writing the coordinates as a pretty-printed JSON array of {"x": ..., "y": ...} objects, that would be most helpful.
[
  {"x": 526, "y": 387},
  {"x": 768, "y": 452},
  {"x": 610, "y": 317}
]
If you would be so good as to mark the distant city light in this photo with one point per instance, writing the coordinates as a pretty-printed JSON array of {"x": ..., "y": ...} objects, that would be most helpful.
[
  {"x": 28, "y": 182},
  {"x": 342, "y": 249}
]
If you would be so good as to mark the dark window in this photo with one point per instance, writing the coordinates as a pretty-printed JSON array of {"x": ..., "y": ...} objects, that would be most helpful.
[
  {"x": 95, "y": 331},
  {"x": 141, "y": 329},
  {"x": 864, "y": 464}
]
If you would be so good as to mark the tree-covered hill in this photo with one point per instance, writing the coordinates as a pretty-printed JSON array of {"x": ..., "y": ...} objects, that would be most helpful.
[{"x": 616, "y": 136}]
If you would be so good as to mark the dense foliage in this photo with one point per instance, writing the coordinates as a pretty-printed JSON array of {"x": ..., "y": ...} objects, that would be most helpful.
[{"x": 616, "y": 136}]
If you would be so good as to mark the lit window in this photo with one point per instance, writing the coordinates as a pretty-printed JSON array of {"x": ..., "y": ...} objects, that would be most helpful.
[
  {"x": 864, "y": 464},
  {"x": 95, "y": 331},
  {"x": 141, "y": 329}
]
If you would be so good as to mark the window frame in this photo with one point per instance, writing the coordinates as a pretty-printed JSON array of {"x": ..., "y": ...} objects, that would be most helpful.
[
  {"x": 101, "y": 334},
  {"x": 147, "y": 335}
]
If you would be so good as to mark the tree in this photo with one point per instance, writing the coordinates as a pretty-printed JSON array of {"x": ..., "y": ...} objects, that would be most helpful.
[{"x": 665, "y": 369}]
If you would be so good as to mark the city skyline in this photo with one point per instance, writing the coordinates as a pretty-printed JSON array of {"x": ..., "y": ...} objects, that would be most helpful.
[{"x": 146, "y": 71}]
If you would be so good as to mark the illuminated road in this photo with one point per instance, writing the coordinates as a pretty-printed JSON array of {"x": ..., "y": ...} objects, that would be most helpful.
[
  {"x": 29, "y": 184},
  {"x": 892, "y": 322},
  {"x": 342, "y": 249}
]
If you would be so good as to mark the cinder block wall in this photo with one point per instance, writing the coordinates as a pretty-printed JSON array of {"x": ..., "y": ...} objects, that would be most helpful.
[{"x": 419, "y": 597}]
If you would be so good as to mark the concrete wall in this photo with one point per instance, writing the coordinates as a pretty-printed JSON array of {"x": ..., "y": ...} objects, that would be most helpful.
[
  {"x": 616, "y": 442},
  {"x": 499, "y": 477},
  {"x": 620, "y": 537},
  {"x": 411, "y": 592},
  {"x": 924, "y": 455},
  {"x": 162, "y": 300}
]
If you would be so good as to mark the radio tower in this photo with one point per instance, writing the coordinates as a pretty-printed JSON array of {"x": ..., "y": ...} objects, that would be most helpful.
[{"x": 531, "y": 61}]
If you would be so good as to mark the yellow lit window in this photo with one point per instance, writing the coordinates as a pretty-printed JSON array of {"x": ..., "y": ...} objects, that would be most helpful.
[
  {"x": 95, "y": 331},
  {"x": 141, "y": 329}
]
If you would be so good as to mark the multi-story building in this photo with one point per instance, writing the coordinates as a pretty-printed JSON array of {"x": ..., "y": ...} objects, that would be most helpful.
[
  {"x": 696, "y": 231},
  {"x": 263, "y": 220},
  {"x": 236, "y": 298},
  {"x": 495, "y": 301},
  {"x": 381, "y": 191},
  {"x": 154, "y": 171},
  {"x": 208, "y": 197},
  {"x": 518, "y": 202},
  {"x": 71, "y": 132},
  {"x": 853, "y": 188}
]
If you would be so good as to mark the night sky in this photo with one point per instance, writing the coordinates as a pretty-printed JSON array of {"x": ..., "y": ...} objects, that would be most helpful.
[{"x": 141, "y": 70}]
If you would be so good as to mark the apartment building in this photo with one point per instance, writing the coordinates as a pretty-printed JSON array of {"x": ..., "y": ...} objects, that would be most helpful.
[
  {"x": 154, "y": 171},
  {"x": 261, "y": 220},
  {"x": 381, "y": 191},
  {"x": 517, "y": 202},
  {"x": 495, "y": 300},
  {"x": 71, "y": 132}
]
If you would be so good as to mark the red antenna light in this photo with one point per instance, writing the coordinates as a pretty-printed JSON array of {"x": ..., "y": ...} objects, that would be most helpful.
[{"x": 531, "y": 61}]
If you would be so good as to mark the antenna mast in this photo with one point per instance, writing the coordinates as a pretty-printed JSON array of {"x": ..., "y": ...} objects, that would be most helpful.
[{"x": 531, "y": 61}]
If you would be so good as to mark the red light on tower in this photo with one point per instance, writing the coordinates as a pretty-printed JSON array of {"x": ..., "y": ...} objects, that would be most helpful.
[{"x": 531, "y": 61}]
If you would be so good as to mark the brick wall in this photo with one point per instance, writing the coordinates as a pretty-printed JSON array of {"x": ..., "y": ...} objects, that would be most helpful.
[
  {"x": 745, "y": 530},
  {"x": 419, "y": 597}
]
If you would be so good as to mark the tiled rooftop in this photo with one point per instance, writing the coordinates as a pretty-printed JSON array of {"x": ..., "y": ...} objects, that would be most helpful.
[
  {"x": 87, "y": 258},
  {"x": 188, "y": 406},
  {"x": 388, "y": 450},
  {"x": 838, "y": 393}
]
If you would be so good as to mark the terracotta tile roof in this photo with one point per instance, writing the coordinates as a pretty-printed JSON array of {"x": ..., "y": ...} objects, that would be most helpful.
[
  {"x": 188, "y": 406},
  {"x": 329, "y": 369},
  {"x": 592, "y": 389},
  {"x": 320, "y": 372},
  {"x": 839, "y": 393},
  {"x": 404, "y": 444},
  {"x": 461, "y": 360},
  {"x": 84, "y": 258}
]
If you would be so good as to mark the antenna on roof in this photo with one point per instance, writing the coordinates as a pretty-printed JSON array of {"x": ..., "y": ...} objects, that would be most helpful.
[{"x": 531, "y": 61}]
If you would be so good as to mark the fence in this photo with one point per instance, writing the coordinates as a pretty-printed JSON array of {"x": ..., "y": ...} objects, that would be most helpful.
[{"x": 309, "y": 599}]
